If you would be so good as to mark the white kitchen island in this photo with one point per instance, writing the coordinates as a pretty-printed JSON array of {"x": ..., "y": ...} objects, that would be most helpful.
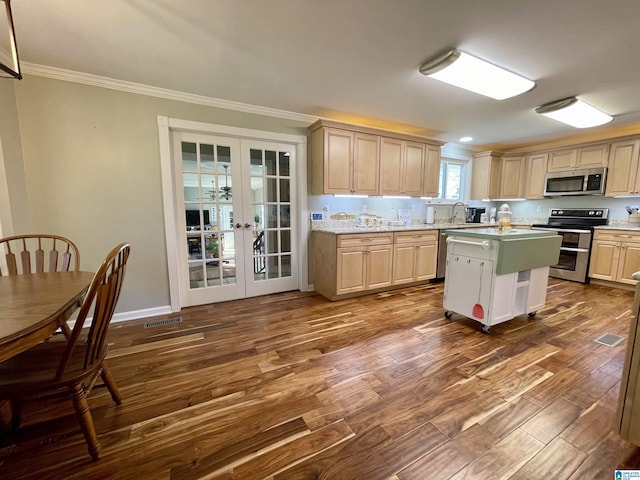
[{"x": 494, "y": 276}]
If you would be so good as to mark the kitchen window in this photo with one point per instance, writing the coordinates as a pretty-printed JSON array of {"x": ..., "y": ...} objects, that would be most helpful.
[{"x": 452, "y": 179}]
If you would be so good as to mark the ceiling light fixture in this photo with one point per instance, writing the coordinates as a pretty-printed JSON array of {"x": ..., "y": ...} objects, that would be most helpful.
[
  {"x": 9, "y": 63},
  {"x": 574, "y": 112},
  {"x": 466, "y": 139},
  {"x": 468, "y": 72}
]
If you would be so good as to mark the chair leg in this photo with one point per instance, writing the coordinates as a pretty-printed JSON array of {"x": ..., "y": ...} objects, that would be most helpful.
[
  {"x": 110, "y": 382},
  {"x": 86, "y": 421}
]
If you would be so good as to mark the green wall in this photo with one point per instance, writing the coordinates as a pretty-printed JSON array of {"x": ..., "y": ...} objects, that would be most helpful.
[{"x": 92, "y": 172}]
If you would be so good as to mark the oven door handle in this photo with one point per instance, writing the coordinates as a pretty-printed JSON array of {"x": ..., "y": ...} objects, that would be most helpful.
[
  {"x": 561, "y": 230},
  {"x": 579, "y": 250}
]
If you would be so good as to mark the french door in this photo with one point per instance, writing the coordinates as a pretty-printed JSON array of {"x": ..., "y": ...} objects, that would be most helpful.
[{"x": 237, "y": 220}]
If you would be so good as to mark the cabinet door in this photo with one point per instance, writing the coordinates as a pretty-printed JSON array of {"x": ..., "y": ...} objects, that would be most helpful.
[
  {"x": 629, "y": 263},
  {"x": 536, "y": 169},
  {"x": 351, "y": 270},
  {"x": 604, "y": 260},
  {"x": 485, "y": 178},
  {"x": 431, "y": 181},
  {"x": 338, "y": 151},
  {"x": 366, "y": 164},
  {"x": 562, "y": 160},
  {"x": 623, "y": 168},
  {"x": 379, "y": 262},
  {"x": 426, "y": 261},
  {"x": 414, "y": 163},
  {"x": 511, "y": 177},
  {"x": 404, "y": 260},
  {"x": 390, "y": 166},
  {"x": 593, "y": 156}
]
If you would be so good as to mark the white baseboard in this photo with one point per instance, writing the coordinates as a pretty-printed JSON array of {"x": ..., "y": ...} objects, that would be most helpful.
[{"x": 126, "y": 316}]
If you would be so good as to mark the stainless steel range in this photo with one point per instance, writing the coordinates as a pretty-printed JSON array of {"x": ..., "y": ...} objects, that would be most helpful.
[{"x": 576, "y": 227}]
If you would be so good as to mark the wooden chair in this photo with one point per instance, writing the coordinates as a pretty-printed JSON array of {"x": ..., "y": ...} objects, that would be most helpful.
[
  {"x": 39, "y": 253},
  {"x": 24, "y": 254},
  {"x": 72, "y": 366}
]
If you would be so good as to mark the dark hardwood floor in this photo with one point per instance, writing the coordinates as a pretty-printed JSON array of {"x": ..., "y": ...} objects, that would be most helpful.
[{"x": 291, "y": 386}]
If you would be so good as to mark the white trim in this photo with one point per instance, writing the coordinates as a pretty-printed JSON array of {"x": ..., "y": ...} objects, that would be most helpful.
[
  {"x": 141, "y": 89},
  {"x": 144, "y": 313},
  {"x": 168, "y": 203},
  {"x": 165, "y": 128}
]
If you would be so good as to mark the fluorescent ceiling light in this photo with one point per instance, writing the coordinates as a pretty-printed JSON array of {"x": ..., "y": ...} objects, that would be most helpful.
[
  {"x": 574, "y": 112},
  {"x": 468, "y": 72},
  {"x": 466, "y": 139}
]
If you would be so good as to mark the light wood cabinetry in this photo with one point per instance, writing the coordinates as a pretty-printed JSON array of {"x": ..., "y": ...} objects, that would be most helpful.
[
  {"x": 512, "y": 176},
  {"x": 345, "y": 162},
  {"x": 485, "y": 178},
  {"x": 536, "y": 170},
  {"x": 623, "y": 177},
  {"x": 351, "y": 159},
  {"x": 402, "y": 167},
  {"x": 628, "y": 418},
  {"x": 351, "y": 263},
  {"x": 415, "y": 256},
  {"x": 615, "y": 255},
  {"x": 584, "y": 157}
]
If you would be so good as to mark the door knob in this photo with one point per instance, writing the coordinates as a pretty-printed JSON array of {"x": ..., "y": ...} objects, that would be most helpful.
[
  {"x": 238, "y": 225},
  {"x": 246, "y": 225}
]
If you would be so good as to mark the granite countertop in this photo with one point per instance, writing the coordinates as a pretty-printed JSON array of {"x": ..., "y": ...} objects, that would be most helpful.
[
  {"x": 414, "y": 227},
  {"x": 619, "y": 226}
]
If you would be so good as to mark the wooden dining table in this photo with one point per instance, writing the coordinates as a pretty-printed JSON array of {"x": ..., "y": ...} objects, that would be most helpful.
[{"x": 34, "y": 306}]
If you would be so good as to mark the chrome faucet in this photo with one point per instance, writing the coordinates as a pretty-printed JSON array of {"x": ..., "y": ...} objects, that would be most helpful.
[{"x": 453, "y": 211}]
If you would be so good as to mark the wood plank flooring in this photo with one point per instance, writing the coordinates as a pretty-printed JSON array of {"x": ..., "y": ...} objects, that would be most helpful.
[{"x": 292, "y": 386}]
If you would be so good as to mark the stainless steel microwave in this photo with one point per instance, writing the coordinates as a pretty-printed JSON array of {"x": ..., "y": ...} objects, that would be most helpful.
[{"x": 576, "y": 182}]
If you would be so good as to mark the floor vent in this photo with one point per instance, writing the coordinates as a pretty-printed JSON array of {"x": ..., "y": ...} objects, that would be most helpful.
[
  {"x": 609, "y": 339},
  {"x": 160, "y": 323}
]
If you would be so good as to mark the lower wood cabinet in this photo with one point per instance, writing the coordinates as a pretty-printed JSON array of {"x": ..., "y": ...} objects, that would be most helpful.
[
  {"x": 351, "y": 264},
  {"x": 615, "y": 256},
  {"x": 415, "y": 256}
]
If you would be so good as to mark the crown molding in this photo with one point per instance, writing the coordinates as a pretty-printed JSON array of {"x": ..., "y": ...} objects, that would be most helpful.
[{"x": 140, "y": 89}]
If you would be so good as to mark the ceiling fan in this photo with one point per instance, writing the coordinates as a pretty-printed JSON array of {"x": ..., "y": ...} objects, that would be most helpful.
[{"x": 225, "y": 192}]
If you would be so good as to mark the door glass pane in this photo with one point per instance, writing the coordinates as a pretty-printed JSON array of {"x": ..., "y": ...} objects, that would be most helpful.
[
  {"x": 206, "y": 158},
  {"x": 272, "y": 241},
  {"x": 270, "y": 162},
  {"x": 283, "y": 169},
  {"x": 285, "y": 241},
  {"x": 285, "y": 216},
  {"x": 190, "y": 187},
  {"x": 189, "y": 159},
  {"x": 257, "y": 167},
  {"x": 285, "y": 191},
  {"x": 272, "y": 190},
  {"x": 273, "y": 270}
]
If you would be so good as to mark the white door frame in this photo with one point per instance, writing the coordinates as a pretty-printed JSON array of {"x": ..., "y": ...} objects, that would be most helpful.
[{"x": 166, "y": 126}]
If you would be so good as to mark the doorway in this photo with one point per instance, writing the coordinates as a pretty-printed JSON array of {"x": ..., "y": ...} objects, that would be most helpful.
[{"x": 236, "y": 219}]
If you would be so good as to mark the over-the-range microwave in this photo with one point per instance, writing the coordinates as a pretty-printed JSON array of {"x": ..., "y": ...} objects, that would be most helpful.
[{"x": 576, "y": 182}]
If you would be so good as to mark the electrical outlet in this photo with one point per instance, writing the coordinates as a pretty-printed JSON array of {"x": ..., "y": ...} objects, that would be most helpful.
[
  {"x": 364, "y": 208},
  {"x": 538, "y": 208}
]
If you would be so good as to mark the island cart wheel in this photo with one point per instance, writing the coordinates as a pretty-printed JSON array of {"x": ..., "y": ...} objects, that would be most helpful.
[
  {"x": 532, "y": 314},
  {"x": 448, "y": 314},
  {"x": 485, "y": 328}
]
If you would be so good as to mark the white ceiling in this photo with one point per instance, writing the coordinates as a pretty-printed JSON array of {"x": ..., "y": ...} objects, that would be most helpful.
[{"x": 354, "y": 60}]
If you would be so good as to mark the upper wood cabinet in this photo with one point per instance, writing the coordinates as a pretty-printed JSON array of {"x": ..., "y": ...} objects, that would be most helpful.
[
  {"x": 351, "y": 159},
  {"x": 589, "y": 156},
  {"x": 402, "y": 166},
  {"x": 344, "y": 162},
  {"x": 623, "y": 177},
  {"x": 485, "y": 175},
  {"x": 512, "y": 176},
  {"x": 534, "y": 181}
]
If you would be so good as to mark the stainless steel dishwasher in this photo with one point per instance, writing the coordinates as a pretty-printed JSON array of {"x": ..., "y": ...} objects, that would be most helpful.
[{"x": 442, "y": 255}]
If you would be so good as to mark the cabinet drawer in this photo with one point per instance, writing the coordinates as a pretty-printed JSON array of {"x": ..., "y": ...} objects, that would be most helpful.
[
  {"x": 415, "y": 237},
  {"x": 364, "y": 239},
  {"x": 617, "y": 236}
]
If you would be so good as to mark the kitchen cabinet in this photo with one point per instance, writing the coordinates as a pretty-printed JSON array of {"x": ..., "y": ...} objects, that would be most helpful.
[
  {"x": 623, "y": 176},
  {"x": 534, "y": 181},
  {"x": 352, "y": 263},
  {"x": 415, "y": 256},
  {"x": 431, "y": 179},
  {"x": 512, "y": 176},
  {"x": 344, "y": 162},
  {"x": 485, "y": 178},
  {"x": 583, "y": 157},
  {"x": 353, "y": 159},
  {"x": 402, "y": 165},
  {"x": 615, "y": 255},
  {"x": 628, "y": 418}
]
